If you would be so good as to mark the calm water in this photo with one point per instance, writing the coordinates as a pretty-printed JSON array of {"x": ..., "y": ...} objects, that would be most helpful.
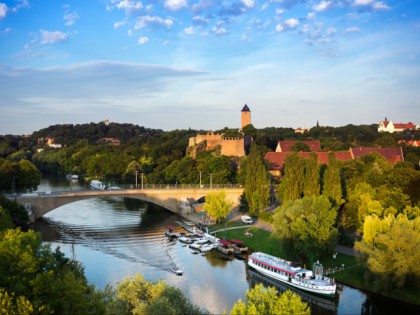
[{"x": 115, "y": 238}]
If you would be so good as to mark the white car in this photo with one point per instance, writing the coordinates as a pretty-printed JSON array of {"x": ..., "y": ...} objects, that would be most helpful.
[{"x": 246, "y": 219}]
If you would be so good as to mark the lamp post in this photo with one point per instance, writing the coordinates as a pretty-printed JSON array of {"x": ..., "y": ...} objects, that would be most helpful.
[
  {"x": 142, "y": 181},
  {"x": 211, "y": 183},
  {"x": 200, "y": 177},
  {"x": 136, "y": 172}
]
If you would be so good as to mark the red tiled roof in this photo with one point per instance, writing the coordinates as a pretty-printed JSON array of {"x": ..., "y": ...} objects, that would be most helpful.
[
  {"x": 408, "y": 125},
  {"x": 277, "y": 158},
  {"x": 286, "y": 146},
  {"x": 392, "y": 155},
  {"x": 385, "y": 122}
]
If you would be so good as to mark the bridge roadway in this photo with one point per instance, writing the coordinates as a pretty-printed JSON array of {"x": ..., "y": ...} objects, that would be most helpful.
[{"x": 178, "y": 200}]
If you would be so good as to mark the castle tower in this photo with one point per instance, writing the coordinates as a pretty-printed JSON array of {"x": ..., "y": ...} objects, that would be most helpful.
[{"x": 245, "y": 116}]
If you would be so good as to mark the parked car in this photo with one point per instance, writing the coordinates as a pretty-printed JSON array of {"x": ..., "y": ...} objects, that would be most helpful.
[{"x": 246, "y": 219}]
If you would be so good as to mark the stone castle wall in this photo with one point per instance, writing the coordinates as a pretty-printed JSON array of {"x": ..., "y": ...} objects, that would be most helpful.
[{"x": 230, "y": 146}]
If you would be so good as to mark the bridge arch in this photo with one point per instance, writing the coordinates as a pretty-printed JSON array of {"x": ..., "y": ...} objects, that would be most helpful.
[{"x": 178, "y": 200}]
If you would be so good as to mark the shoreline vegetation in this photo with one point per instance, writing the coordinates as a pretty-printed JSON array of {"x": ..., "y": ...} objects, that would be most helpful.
[{"x": 352, "y": 274}]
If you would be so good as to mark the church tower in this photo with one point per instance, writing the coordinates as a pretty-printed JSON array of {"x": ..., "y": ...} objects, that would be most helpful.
[{"x": 245, "y": 116}]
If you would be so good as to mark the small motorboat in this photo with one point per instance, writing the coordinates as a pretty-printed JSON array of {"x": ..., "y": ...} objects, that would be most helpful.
[
  {"x": 177, "y": 271},
  {"x": 186, "y": 239},
  {"x": 207, "y": 247}
]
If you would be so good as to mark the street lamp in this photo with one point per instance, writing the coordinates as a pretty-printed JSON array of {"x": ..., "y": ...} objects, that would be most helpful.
[
  {"x": 200, "y": 177},
  {"x": 142, "y": 181},
  {"x": 136, "y": 172}
]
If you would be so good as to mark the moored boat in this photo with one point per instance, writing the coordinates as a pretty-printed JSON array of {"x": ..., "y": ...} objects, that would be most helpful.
[
  {"x": 169, "y": 232},
  {"x": 313, "y": 281},
  {"x": 239, "y": 246},
  {"x": 225, "y": 247},
  {"x": 96, "y": 184}
]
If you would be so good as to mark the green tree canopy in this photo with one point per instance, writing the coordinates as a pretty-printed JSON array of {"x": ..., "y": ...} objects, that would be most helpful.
[
  {"x": 391, "y": 250},
  {"x": 300, "y": 147},
  {"x": 135, "y": 295},
  {"x": 306, "y": 227},
  {"x": 48, "y": 280},
  {"x": 291, "y": 185},
  {"x": 260, "y": 300},
  {"x": 257, "y": 182},
  {"x": 331, "y": 187},
  {"x": 217, "y": 206},
  {"x": 312, "y": 186}
]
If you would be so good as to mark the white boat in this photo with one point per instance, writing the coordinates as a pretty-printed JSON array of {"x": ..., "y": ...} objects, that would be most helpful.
[
  {"x": 195, "y": 245},
  {"x": 177, "y": 271},
  {"x": 297, "y": 277},
  {"x": 186, "y": 239},
  {"x": 207, "y": 247},
  {"x": 96, "y": 184},
  {"x": 72, "y": 176}
]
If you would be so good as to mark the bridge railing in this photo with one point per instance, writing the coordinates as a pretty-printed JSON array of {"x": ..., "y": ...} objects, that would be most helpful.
[{"x": 126, "y": 187}]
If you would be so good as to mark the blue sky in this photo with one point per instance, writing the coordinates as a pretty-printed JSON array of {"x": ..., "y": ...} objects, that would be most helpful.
[{"x": 178, "y": 64}]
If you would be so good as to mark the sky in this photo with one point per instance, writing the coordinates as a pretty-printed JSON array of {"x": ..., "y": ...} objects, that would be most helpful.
[{"x": 179, "y": 64}]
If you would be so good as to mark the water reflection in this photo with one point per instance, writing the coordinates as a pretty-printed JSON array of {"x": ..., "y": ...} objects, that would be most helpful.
[{"x": 115, "y": 239}]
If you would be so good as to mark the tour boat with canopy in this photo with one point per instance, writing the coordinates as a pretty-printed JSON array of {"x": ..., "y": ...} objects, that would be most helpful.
[{"x": 307, "y": 280}]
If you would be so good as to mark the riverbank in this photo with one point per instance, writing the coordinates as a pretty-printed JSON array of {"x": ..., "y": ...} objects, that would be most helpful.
[{"x": 349, "y": 270}]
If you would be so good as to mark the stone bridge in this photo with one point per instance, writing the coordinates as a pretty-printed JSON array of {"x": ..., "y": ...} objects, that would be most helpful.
[{"x": 178, "y": 200}]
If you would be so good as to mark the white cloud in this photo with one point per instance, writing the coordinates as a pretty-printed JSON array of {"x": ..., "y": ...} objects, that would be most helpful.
[
  {"x": 199, "y": 20},
  {"x": 48, "y": 37},
  {"x": 248, "y": 3},
  {"x": 189, "y": 30},
  {"x": 380, "y": 6},
  {"x": 352, "y": 30},
  {"x": 129, "y": 6},
  {"x": 362, "y": 2},
  {"x": 152, "y": 21},
  {"x": 219, "y": 30},
  {"x": 70, "y": 18},
  {"x": 292, "y": 23},
  {"x": 310, "y": 16},
  {"x": 279, "y": 11},
  {"x": 279, "y": 28},
  {"x": 119, "y": 24},
  {"x": 3, "y": 10},
  {"x": 175, "y": 5},
  {"x": 322, "y": 6},
  {"x": 143, "y": 40}
]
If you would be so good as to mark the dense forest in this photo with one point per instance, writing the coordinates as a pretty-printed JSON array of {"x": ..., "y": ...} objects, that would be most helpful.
[{"x": 159, "y": 155}]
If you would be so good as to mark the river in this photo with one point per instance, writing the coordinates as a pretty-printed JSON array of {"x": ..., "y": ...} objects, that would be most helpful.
[{"x": 118, "y": 237}]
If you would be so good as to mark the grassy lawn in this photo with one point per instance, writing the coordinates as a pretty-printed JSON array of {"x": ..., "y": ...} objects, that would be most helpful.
[{"x": 353, "y": 273}]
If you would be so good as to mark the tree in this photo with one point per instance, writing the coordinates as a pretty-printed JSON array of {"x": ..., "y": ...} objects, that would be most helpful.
[
  {"x": 300, "y": 147},
  {"x": 47, "y": 279},
  {"x": 134, "y": 295},
  {"x": 391, "y": 251},
  {"x": 257, "y": 182},
  {"x": 311, "y": 186},
  {"x": 217, "y": 206},
  {"x": 11, "y": 305},
  {"x": 332, "y": 182},
  {"x": 260, "y": 300},
  {"x": 291, "y": 185},
  {"x": 5, "y": 220},
  {"x": 306, "y": 227}
]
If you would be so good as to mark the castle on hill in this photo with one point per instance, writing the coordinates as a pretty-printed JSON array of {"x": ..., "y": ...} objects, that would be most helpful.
[{"x": 228, "y": 146}]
